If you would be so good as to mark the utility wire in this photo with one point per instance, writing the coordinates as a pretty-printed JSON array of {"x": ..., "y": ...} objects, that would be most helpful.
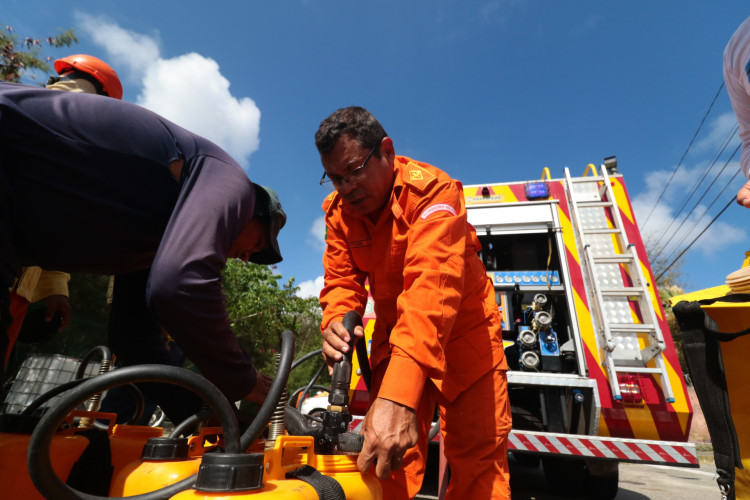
[
  {"x": 726, "y": 186},
  {"x": 696, "y": 239},
  {"x": 705, "y": 191},
  {"x": 679, "y": 164}
]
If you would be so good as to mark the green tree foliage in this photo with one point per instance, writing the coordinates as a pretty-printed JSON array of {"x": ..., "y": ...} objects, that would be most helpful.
[
  {"x": 666, "y": 292},
  {"x": 260, "y": 309},
  {"x": 669, "y": 284},
  {"x": 22, "y": 58}
]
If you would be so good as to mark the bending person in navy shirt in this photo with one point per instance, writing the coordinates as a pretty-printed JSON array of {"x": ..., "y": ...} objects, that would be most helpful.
[{"x": 94, "y": 185}]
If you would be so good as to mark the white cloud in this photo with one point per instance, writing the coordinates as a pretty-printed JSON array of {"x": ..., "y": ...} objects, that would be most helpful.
[
  {"x": 202, "y": 105},
  {"x": 718, "y": 132},
  {"x": 170, "y": 87},
  {"x": 317, "y": 233},
  {"x": 130, "y": 52},
  {"x": 674, "y": 231},
  {"x": 311, "y": 288}
]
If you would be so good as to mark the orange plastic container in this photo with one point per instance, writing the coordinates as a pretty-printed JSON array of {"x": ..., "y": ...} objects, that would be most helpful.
[
  {"x": 290, "y": 453},
  {"x": 144, "y": 476},
  {"x": 15, "y": 482},
  {"x": 126, "y": 443}
]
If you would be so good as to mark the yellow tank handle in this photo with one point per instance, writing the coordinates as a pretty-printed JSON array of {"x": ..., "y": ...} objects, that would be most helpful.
[
  {"x": 546, "y": 174},
  {"x": 746, "y": 262},
  {"x": 591, "y": 167}
]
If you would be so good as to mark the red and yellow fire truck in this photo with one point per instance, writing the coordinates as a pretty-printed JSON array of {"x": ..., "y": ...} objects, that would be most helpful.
[{"x": 594, "y": 375}]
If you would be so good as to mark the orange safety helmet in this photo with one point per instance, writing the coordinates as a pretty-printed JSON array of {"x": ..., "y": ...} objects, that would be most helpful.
[{"x": 98, "y": 69}]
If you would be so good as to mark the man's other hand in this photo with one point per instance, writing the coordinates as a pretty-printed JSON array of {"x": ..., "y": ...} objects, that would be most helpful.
[
  {"x": 58, "y": 305},
  {"x": 743, "y": 195},
  {"x": 260, "y": 391},
  {"x": 336, "y": 342},
  {"x": 389, "y": 429}
]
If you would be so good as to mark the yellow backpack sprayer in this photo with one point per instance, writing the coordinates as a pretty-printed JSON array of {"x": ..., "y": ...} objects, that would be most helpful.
[{"x": 314, "y": 459}]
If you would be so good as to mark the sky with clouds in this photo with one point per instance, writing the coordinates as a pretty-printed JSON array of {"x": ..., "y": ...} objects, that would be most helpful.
[{"x": 490, "y": 91}]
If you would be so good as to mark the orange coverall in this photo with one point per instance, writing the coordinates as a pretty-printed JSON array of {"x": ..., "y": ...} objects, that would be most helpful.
[{"x": 437, "y": 334}]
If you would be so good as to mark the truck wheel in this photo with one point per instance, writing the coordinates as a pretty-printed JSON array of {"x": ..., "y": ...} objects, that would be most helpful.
[
  {"x": 565, "y": 475},
  {"x": 602, "y": 481}
]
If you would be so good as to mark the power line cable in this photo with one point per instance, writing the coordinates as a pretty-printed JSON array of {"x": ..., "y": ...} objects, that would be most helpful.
[
  {"x": 696, "y": 239},
  {"x": 705, "y": 192},
  {"x": 665, "y": 233},
  {"x": 679, "y": 164},
  {"x": 726, "y": 186}
]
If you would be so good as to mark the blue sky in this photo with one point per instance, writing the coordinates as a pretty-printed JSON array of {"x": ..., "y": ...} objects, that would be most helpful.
[{"x": 490, "y": 91}]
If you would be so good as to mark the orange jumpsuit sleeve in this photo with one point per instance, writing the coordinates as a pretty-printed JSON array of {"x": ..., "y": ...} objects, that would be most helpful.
[
  {"x": 344, "y": 288},
  {"x": 434, "y": 270}
]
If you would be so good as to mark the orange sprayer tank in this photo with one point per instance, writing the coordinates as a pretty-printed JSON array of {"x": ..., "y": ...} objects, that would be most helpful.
[
  {"x": 178, "y": 459},
  {"x": 126, "y": 443},
  {"x": 290, "y": 453}
]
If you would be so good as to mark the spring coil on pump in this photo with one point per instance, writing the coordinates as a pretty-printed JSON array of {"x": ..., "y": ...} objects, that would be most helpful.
[
  {"x": 276, "y": 426},
  {"x": 105, "y": 365}
]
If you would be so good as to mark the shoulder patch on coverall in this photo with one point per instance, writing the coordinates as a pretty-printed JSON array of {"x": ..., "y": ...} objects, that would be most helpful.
[
  {"x": 330, "y": 201},
  {"x": 438, "y": 207},
  {"x": 418, "y": 177}
]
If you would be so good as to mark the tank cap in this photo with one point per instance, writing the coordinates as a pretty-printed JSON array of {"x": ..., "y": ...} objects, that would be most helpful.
[
  {"x": 227, "y": 472},
  {"x": 164, "y": 448}
]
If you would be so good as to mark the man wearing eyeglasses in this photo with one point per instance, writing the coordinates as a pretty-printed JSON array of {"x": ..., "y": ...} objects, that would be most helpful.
[{"x": 401, "y": 225}]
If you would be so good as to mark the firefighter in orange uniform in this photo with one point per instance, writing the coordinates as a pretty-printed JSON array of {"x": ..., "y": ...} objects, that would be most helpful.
[{"x": 401, "y": 225}]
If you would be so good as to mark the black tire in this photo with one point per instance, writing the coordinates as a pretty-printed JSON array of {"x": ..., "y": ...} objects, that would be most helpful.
[
  {"x": 603, "y": 487},
  {"x": 565, "y": 476}
]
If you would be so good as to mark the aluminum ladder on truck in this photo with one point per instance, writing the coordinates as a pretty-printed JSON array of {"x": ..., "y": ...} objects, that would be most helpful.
[{"x": 606, "y": 248}]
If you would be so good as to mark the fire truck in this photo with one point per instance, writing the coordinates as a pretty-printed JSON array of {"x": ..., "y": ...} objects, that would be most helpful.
[{"x": 594, "y": 376}]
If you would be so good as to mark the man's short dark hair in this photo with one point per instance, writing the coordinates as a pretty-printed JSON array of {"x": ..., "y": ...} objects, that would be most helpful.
[{"x": 354, "y": 122}]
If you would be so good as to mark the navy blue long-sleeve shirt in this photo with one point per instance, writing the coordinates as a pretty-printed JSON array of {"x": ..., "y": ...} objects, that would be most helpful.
[{"x": 85, "y": 187}]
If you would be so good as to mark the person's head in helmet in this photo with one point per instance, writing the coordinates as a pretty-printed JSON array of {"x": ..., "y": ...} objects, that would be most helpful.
[{"x": 84, "y": 73}]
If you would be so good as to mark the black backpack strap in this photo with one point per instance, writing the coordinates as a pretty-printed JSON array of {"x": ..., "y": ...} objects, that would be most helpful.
[
  {"x": 92, "y": 473},
  {"x": 710, "y": 324},
  {"x": 700, "y": 344},
  {"x": 326, "y": 487}
]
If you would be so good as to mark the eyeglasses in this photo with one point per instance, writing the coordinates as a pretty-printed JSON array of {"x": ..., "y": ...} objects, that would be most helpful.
[{"x": 353, "y": 177}]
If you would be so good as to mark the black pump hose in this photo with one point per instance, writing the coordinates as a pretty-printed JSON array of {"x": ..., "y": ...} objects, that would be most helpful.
[
  {"x": 190, "y": 422},
  {"x": 274, "y": 394},
  {"x": 269, "y": 405},
  {"x": 304, "y": 358},
  {"x": 105, "y": 353},
  {"x": 351, "y": 320},
  {"x": 38, "y": 402},
  {"x": 278, "y": 386},
  {"x": 51, "y": 394},
  {"x": 38, "y": 457},
  {"x": 307, "y": 389}
]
